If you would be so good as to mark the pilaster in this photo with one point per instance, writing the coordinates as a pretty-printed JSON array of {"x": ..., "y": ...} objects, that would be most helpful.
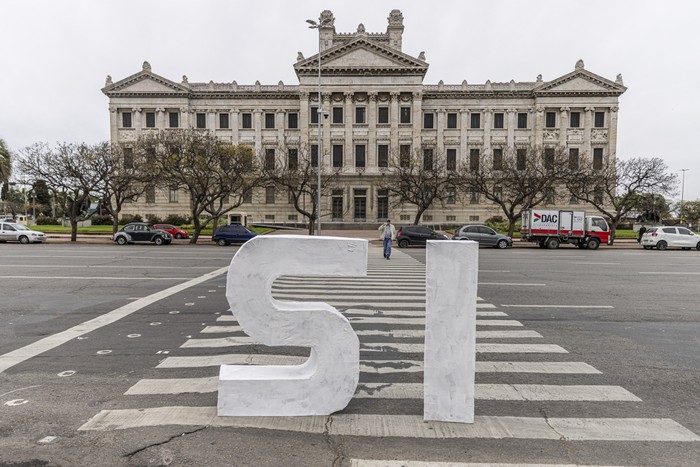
[
  {"x": 539, "y": 125},
  {"x": 372, "y": 133},
  {"x": 113, "y": 123},
  {"x": 394, "y": 119},
  {"x": 612, "y": 132},
  {"x": 257, "y": 124},
  {"x": 417, "y": 120},
  {"x": 512, "y": 123},
  {"x": 587, "y": 127},
  {"x": 563, "y": 125},
  {"x": 349, "y": 151}
]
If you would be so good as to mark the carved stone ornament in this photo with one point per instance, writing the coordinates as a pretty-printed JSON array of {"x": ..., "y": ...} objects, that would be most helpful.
[
  {"x": 136, "y": 110},
  {"x": 579, "y": 65},
  {"x": 348, "y": 96},
  {"x": 539, "y": 109},
  {"x": 599, "y": 135},
  {"x": 589, "y": 109},
  {"x": 303, "y": 96},
  {"x": 394, "y": 95},
  {"x": 395, "y": 18},
  {"x": 441, "y": 85},
  {"x": 112, "y": 108},
  {"x": 421, "y": 55},
  {"x": 372, "y": 96},
  {"x": 300, "y": 56},
  {"x": 511, "y": 85},
  {"x": 108, "y": 81},
  {"x": 551, "y": 135},
  {"x": 488, "y": 85},
  {"x": 564, "y": 109},
  {"x": 539, "y": 78},
  {"x": 184, "y": 79},
  {"x": 146, "y": 66},
  {"x": 327, "y": 19},
  {"x": 618, "y": 80},
  {"x": 360, "y": 28},
  {"x": 326, "y": 96},
  {"x": 160, "y": 110},
  {"x": 614, "y": 108},
  {"x": 464, "y": 85}
]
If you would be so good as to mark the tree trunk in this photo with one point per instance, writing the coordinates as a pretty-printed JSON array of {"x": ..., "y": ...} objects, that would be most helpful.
[
  {"x": 197, "y": 229},
  {"x": 73, "y": 229},
  {"x": 613, "y": 232},
  {"x": 511, "y": 226},
  {"x": 115, "y": 225}
]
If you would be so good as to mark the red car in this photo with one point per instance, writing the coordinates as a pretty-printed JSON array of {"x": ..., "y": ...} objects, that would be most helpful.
[{"x": 172, "y": 230}]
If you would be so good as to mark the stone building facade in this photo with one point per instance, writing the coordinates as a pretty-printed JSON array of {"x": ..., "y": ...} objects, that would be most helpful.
[{"x": 377, "y": 105}]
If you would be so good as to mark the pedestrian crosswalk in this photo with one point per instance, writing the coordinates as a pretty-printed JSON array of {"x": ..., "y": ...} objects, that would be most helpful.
[{"x": 387, "y": 311}]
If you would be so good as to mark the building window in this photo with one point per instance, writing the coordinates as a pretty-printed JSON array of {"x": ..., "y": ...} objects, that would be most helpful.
[
  {"x": 293, "y": 159},
  {"x": 599, "y": 120},
  {"x": 428, "y": 217},
  {"x": 497, "y": 193},
  {"x": 360, "y": 205},
  {"x": 360, "y": 151},
  {"x": 451, "y": 120},
  {"x": 383, "y": 115},
  {"x": 383, "y": 155},
  {"x": 474, "y": 159},
  {"x": 337, "y": 155},
  {"x": 174, "y": 119},
  {"x": 473, "y": 218},
  {"x": 270, "y": 217},
  {"x": 451, "y": 218},
  {"x": 382, "y": 204},
  {"x": 150, "y": 194},
  {"x": 270, "y": 195},
  {"x": 292, "y": 217},
  {"x": 126, "y": 119},
  {"x": 522, "y": 120},
  {"x": 247, "y": 120},
  {"x": 598, "y": 158},
  {"x": 223, "y": 120},
  {"x": 360, "y": 115},
  {"x": 549, "y": 158},
  {"x": 404, "y": 217},
  {"x": 290, "y": 196},
  {"x": 573, "y": 199},
  {"x": 337, "y": 205},
  {"x": 451, "y": 195},
  {"x": 550, "y": 196},
  {"x": 575, "y": 120},
  {"x": 405, "y": 155},
  {"x": 150, "y": 119},
  {"x": 498, "y": 120},
  {"x": 201, "y": 120},
  {"x": 451, "y": 159},
  {"x": 292, "y": 120},
  {"x": 405, "y": 115},
  {"x": 521, "y": 159},
  {"x": 550, "y": 119},
  {"x": 337, "y": 115},
  {"x": 428, "y": 118},
  {"x": 475, "y": 120},
  {"x": 128, "y": 158},
  {"x": 473, "y": 197},
  {"x": 598, "y": 195},
  {"x": 173, "y": 195},
  {"x": 314, "y": 115},
  {"x": 314, "y": 155},
  {"x": 269, "y": 120},
  {"x": 498, "y": 159},
  {"x": 427, "y": 158},
  {"x": 248, "y": 196},
  {"x": 269, "y": 159},
  {"x": 573, "y": 158}
]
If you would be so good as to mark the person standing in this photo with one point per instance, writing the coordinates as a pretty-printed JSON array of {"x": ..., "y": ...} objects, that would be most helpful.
[
  {"x": 387, "y": 233},
  {"x": 642, "y": 229}
]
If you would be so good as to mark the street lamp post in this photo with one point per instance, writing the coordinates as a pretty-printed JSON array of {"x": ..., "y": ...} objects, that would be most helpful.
[
  {"x": 319, "y": 114},
  {"x": 682, "y": 191}
]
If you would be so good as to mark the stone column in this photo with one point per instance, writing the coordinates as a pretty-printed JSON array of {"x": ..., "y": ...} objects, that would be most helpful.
[
  {"x": 539, "y": 125},
  {"x": 185, "y": 118},
  {"x": 235, "y": 116},
  {"x": 563, "y": 125},
  {"x": 417, "y": 120},
  {"x": 113, "y": 124},
  {"x": 137, "y": 123},
  {"x": 160, "y": 118},
  {"x": 372, "y": 130},
  {"x": 326, "y": 146},
  {"x": 304, "y": 119},
  {"x": 211, "y": 119},
  {"x": 463, "y": 138},
  {"x": 488, "y": 124},
  {"x": 394, "y": 120},
  {"x": 512, "y": 123},
  {"x": 257, "y": 124},
  {"x": 441, "y": 123},
  {"x": 612, "y": 132},
  {"x": 349, "y": 151},
  {"x": 587, "y": 127},
  {"x": 280, "y": 124}
]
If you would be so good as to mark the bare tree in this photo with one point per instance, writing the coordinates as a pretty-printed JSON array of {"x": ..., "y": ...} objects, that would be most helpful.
[
  {"x": 615, "y": 187},
  {"x": 294, "y": 170},
  {"x": 420, "y": 178},
  {"x": 68, "y": 171},
  {"x": 215, "y": 175},
  {"x": 5, "y": 162},
  {"x": 516, "y": 179}
]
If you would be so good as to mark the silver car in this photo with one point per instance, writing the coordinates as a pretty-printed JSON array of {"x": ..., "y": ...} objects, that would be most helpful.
[
  {"x": 12, "y": 232},
  {"x": 485, "y": 235},
  {"x": 670, "y": 237}
]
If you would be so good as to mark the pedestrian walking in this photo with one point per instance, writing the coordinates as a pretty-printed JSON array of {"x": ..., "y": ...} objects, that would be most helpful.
[
  {"x": 387, "y": 234},
  {"x": 642, "y": 229}
]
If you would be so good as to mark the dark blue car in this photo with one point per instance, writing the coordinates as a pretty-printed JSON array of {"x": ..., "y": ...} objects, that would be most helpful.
[{"x": 232, "y": 233}]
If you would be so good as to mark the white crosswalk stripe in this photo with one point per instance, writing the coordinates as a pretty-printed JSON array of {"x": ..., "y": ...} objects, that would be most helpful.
[{"x": 387, "y": 311}]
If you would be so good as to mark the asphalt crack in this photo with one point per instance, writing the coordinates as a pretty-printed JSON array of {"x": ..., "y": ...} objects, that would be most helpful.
[
  {"x": 337, "y": 448},
  {"x": 133, "y": 453}
]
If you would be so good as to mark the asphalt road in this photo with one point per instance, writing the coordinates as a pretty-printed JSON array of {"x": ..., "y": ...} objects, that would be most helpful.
[{"x": 83, "y": 333}]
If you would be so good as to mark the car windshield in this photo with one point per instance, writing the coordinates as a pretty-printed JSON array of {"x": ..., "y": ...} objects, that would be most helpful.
[{"x": 21, "y": 227}]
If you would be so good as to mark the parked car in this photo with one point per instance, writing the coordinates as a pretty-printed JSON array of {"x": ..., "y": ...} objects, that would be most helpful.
[
  {"x": 416, "y": 235},
  {"x": 176, "y": 232},
  {"x": 13, "y": 232},
  {"x": 232, "y": 233},
  {"x": 483, "y": 234},
  {"x": 141, "y": 232},
  {"x": 670, "y": 237}
]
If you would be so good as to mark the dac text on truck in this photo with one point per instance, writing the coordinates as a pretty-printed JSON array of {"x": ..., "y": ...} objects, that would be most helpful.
[{"x": 551, "y": 228}]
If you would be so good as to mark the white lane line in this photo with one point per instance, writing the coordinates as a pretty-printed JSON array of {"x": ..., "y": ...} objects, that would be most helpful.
[
  {"x": 199, "y": 258},
  {"x": 97, "y": 278},
  {"x": 15, "y": 357},
  {"x": 374, "y": 319},
  {"x": 604, "y": 307},
  {"x": 512, "y": 284},
  {"x": 397, "y": 333},
  {"x": 480, "y": 348},
  {"x": 90, "y": 266},
  {"x": 334, "y": 296},
  {"x": 670, "y": 273},
  {"x": 413, "y": 426},
  {"x": 503, "y": 392},
  {"x": 379, "y": 366},
  {"x": 407, "y": 463}
]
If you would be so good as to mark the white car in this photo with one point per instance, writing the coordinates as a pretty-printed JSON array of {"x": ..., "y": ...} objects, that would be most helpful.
[
  {"x": 12, "y": 232},
  {"x": 670, "y": 237}
]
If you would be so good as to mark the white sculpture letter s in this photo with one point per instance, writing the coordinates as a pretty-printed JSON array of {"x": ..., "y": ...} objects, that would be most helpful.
[{"x": 326, "y": 382}]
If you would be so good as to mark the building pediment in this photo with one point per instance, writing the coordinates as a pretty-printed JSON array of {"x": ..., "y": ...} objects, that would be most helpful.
[
  {"x": 144, "y": 83},
  {"x": 362, "y": 56},
  {"x": 580, "y": 82}
]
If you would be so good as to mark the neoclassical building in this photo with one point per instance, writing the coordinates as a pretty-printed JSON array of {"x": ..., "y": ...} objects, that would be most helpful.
[{"x": 377, "y": 105}]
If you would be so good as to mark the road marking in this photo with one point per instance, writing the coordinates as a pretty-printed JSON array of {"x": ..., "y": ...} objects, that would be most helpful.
[
  {"x": 670, "y": 273},
  {"x": 502, "y": 392},
  {"x": 374, "y": 319},
  {"x": 512, "y": 284},
  {"x": 20, "y": 389},
  {"x": 394, "y": 463},
  {"x": 413, "y": 426},
  {"x": 605, "y": 307},
  {"x": 480, "y": 348},
  {"x": 15, "y": 357},
  {"x": 98, "y": 278},
  {"x": 89, "y": 266}
]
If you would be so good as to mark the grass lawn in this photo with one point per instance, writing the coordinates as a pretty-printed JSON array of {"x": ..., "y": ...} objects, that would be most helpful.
[{"x": 107, "y": 229}]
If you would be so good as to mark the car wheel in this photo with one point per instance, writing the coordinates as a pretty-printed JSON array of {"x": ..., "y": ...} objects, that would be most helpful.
[
  {"x": 542, "y": 244},
  {"x": 121, "y": 241},
  {"x": 403, "y": 243},
  {"x": 646, "y": 247},
  {"x": 552, "y": 243},
  {"x": 661, "y": 245},
  {"x": 697, "y": 247},
  {"x": 593, "y": 244},
  {"x": 178, "y": 236},
  {"x": 24, "y": 239},
  {"x": 502, "y": 244},
  {"x": 221, "y": 242},
  {"x": 158, "y": 241}
]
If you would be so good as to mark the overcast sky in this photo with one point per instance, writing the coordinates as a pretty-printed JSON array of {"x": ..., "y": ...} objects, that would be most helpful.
[{"x": 55, "y": 55}]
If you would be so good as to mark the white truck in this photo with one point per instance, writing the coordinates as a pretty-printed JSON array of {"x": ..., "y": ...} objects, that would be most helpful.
[{"x": 550, "y": 228}]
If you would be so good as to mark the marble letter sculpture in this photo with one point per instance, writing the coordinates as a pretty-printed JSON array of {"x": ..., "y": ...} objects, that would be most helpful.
[
  {"x": 326, "y": 382},
  {"x": 450, "y": 331}
]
